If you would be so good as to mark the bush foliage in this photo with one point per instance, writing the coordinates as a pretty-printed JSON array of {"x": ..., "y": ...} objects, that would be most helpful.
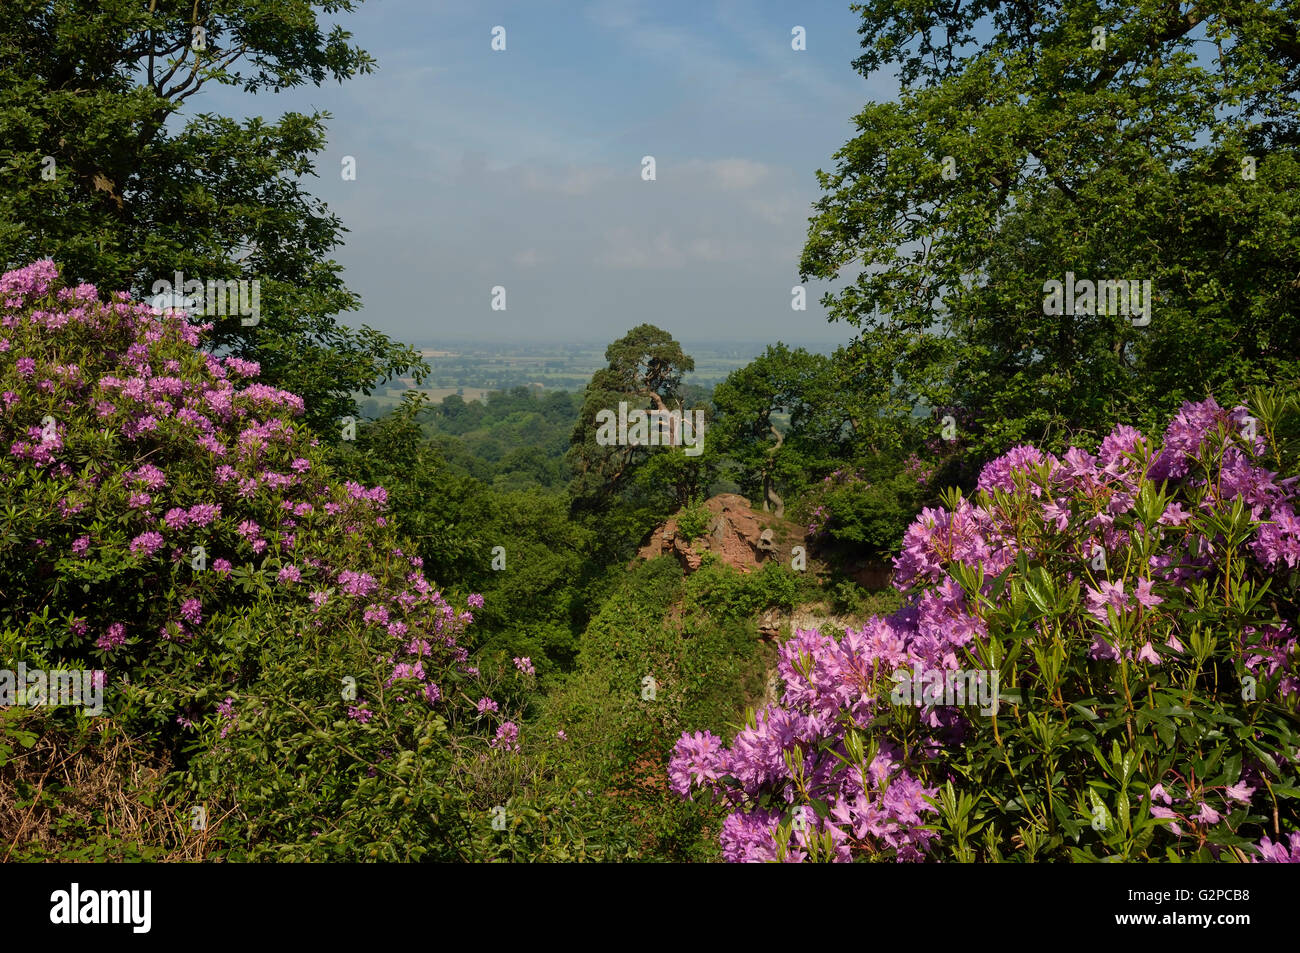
[{"x": 1136, "y": 610}]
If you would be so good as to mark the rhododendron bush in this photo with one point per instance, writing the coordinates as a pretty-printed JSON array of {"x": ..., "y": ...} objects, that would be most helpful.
[
  {"x": 166, "y": 520},
  {"x": 1136, "y": 610}
]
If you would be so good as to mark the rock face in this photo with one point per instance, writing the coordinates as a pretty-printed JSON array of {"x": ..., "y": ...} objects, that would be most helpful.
[
  {"x": 741, "y": 537},
  {"x": 812, "y": 616}
]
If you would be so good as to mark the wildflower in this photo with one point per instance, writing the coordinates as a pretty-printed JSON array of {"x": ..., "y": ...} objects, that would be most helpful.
[
  {"x": 202, "y": 514},
  {"x": 114, "y": 638},
  {"x": 150, "y": 476},
  {"x": 192, "y": 611},
  {"x": 406, "y": 670},
  {"x": 1107, "y": 594},
  {"x": 699, "y": 758},
  {"x": 226, "y": 711},
  {"x": 1279, "y": 853},
  {"x": 1239, "y": 792},
  {"x": 1206, "y": 814},
  {"x": 147, "y": 543},
  {"x": 507, "y": 737},
  {"x": 1168, "y": 814},
  {"x": 357, "y": 583},
  {"x": 1144, "y": 596}
]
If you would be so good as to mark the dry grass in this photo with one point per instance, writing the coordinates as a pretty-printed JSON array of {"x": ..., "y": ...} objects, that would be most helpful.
[{"x": 70, "y": 791}]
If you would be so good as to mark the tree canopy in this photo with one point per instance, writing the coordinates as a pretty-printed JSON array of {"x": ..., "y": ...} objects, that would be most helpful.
[
  {"x": 1038, "y": 141},
  {"x": 645, "y": 371}
]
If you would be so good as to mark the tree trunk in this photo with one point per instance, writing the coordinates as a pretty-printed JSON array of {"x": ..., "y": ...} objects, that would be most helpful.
[{"x": 769, "y": 493}]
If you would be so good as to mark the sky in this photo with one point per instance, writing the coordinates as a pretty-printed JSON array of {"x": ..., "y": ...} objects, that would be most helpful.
[{"x": 522, "y": 168}]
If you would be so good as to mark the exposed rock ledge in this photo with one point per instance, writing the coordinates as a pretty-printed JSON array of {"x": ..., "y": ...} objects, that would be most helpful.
[{"x": 741, "y": 537}]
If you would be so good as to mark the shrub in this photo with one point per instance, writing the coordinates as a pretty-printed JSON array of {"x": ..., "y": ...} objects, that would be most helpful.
[
  {"x": 864, "y": 511},
  {"x": 167, "y": 522},
  {"x": 646, "y": 672},
  {"x": 693, "y": 521},
  {"x": 721, "y": 591},
  {"x": 1136, "y": 612}
]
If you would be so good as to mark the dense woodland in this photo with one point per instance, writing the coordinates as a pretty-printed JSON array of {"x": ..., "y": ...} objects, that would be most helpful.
[{"x": 429, "y": 635}]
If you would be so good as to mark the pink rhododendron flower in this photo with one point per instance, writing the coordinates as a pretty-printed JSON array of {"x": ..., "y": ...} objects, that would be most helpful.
[
  {"x": 114, "y": 638},
  {"x": 507, "y": 737},
  {"x": 192, "y": 611},
  {"x": 1239, "y": 792},
  {"x": 360, "y": 712},
  {"x": 147, "y": 543},
  {"x": 1281, "y": 852}
]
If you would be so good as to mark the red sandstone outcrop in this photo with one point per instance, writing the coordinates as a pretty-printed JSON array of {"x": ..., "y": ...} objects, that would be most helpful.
[{"x": 741, "y": 537}]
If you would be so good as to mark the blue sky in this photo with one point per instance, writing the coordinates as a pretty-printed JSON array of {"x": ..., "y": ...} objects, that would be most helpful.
[{"x": 522, "y": 168}]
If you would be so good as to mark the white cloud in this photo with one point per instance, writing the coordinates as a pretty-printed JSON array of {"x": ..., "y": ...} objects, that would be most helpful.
[
  {"x": 623, "y": 248},
  {"x": 777, "y": 209},
  {"x": 738, "y": 173},
  {"x": 575, "y": 180}
]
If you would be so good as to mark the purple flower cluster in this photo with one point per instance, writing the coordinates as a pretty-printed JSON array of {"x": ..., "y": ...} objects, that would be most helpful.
[
  {"x": 114, "y": 638},
  {"x": 507, "y": 737},
  {"x": 226, "y": 712},
  {"x": 189, "y": 459},
  {"x": 801, "y": 745},
  {"x": 809, "y": 747},
  {"x": 1281, "y": 852}
]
